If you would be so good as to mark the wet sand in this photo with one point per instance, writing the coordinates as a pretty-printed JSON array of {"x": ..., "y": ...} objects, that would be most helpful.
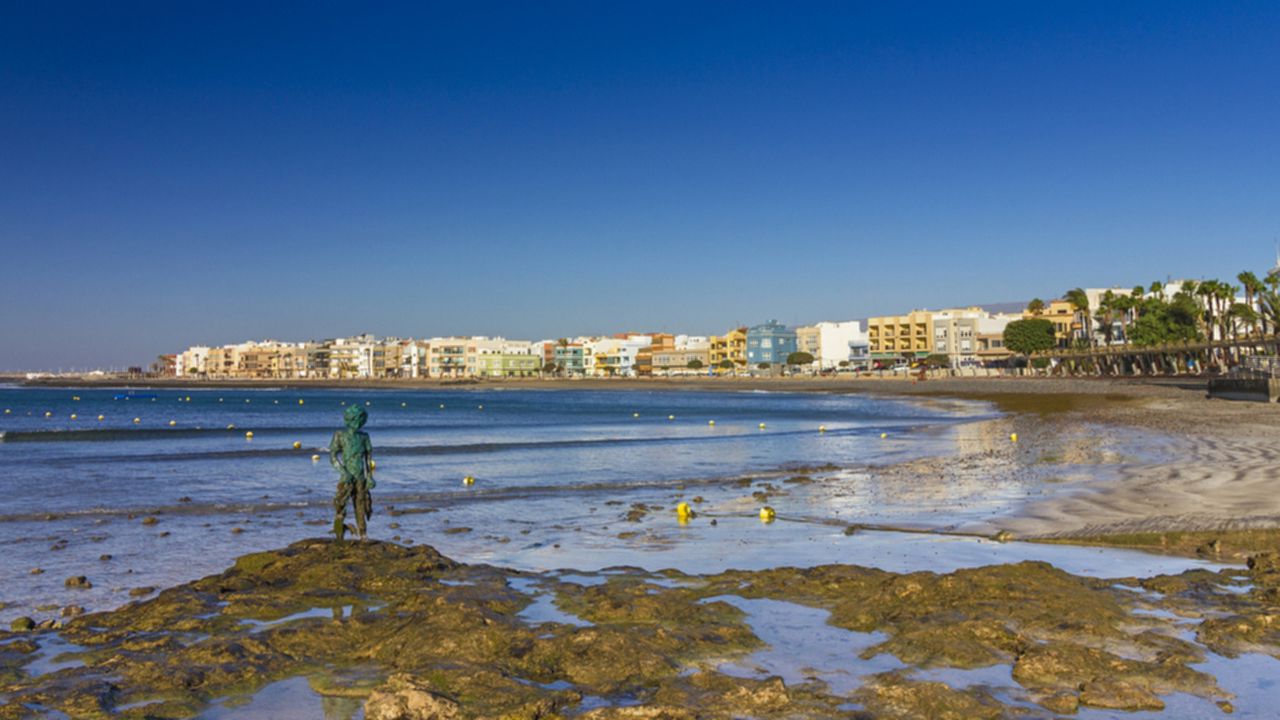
[{"x": 1186, "y": 463}]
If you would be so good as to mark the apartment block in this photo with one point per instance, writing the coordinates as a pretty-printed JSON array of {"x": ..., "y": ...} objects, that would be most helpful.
[{"x": 731, "y": 347}]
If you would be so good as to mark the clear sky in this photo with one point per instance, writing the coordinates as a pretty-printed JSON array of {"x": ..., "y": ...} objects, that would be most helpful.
[{"x": 179, "y": 173}]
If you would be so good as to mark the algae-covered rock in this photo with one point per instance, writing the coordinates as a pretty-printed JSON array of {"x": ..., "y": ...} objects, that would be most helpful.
[
  {"x": 1119, "y": 695},
  {"x": 452, "y": 641},
  {"x": 639, "y": 712},
  {"x": 891, "y": 695},
  {"x": 401, "y": 698},
  {"x": 22, "y": 624}
]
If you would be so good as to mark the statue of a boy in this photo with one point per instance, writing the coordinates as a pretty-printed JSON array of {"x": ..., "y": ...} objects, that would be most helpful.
[{"x": 351, "y": 453}]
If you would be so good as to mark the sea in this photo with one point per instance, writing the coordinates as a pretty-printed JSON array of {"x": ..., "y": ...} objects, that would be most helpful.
[{"x": 140, "y": 489}]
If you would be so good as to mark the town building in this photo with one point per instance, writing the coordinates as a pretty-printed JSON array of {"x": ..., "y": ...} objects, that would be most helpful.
[
  {"x": 900, "y": 337},
  {"x": 729, "y": 348},
  {"x": 682, "y": 361},
  {"x": 770, "y": 343},
  {"x": 1066, "y": 324},
  {"x": 508, "y": 359},
  {"x": 830, "y": 343},
  {"x": 954, "y": 333},
  {"x": 568, "y": 358}
]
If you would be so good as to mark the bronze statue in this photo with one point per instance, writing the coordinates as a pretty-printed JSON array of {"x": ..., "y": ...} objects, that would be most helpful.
[{"x": 351, "y": 453}]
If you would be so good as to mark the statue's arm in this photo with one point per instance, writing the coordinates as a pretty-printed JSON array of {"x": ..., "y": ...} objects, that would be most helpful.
[
  {"x": 335, "y": 451},
  {"x": 368, "y": 459}
]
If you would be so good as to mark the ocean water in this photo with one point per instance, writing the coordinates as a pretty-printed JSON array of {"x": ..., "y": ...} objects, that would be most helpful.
[
  {"x": 182, "y": 491},
  {"x": 425, "y": 442}
]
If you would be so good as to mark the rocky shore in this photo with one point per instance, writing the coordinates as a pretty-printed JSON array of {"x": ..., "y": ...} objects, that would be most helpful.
[{"x": 404, "y": 632}]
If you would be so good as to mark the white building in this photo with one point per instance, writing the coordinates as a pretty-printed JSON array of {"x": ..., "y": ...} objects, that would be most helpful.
[
  {"x": 192, "y": 361},
  {"x": 831, "y": 343},
  {"x": 692, "y": 342},
  {"x": 613, "y": 357}
]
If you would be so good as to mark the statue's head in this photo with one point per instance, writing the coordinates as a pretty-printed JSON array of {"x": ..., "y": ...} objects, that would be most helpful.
[{"x": 355, "y": 417}]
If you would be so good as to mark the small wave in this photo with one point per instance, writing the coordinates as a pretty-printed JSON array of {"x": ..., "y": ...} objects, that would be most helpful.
[
  {"x": 453, "y": 449},
  {"x": 126, "y": 434}
]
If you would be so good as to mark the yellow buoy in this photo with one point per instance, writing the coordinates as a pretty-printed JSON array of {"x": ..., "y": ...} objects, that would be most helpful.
[
  {"x": 48, "y": 414},
  {"x": 7, "y": 411},
  {"x": 367, "y": 403},
  {"x": 299, "y": 401},
  {"x": 248, "y": 435},
  {"x": 479, "y": 407},
  {"x": 172, "y": 423},
  {"x": 635, "y": 414},
  {"x": 684, "y": 513},
  {"x": 373, "y": 464},
  {"x": 441, "y": 406},
  {"x": 73, "y": 416},
  {"x": 297, "y": 445},
  {"x": 1013, "y": 437},
  {"x": 246, "y": 400},
  {"x": 712, "y": 423},
  {"x": 884, "y": 435},
  {"x": 76, "y": 398},
  {"x": 315, "y": 458},
  {"x": 188, "y": 398},
  {"x": 231, "y": 427},
  {"x": 671, "y": 417},
  {"x": 137, "y": 420},
  {"x": 767, "y": 514},
  {"x": 404, "y": 404},
  {"x": 468, "y": 480},
  {"x": 101, "y": 418},
  {"x": 822, "y": 428},
  {"x": 761, "y": 426}
]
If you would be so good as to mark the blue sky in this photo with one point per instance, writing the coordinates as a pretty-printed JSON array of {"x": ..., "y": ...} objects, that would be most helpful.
[{"x": 178, "y": 173}]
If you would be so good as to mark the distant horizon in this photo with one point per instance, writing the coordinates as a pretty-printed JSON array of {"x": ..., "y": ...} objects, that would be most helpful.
[{"x": 176, "y": 174}]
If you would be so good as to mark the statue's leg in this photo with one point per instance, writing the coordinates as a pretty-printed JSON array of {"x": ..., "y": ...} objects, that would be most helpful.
[
  {"x": 359, "y": 501},
  {"x": 340, "y": 499}
]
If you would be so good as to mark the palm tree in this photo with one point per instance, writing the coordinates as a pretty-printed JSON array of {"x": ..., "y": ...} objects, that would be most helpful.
[
  {"x": 1252, "y": 287},
  {"x": 1224, "y": 298},
  {"x": 1204, "y": 293},
  {"x": 1036, "y": 307},
  {"x": 1241, "y": 314},
  {"x": 1106, "y": 315},
  {"x": 1269, "y": 307},
  {"x": 1125, "y": 305},
  {"x": 1080, "y": 303}
]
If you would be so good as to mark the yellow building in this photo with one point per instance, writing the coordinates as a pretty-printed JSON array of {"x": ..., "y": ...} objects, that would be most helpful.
[
  {"x": 896, "y": 337},
  {"x": 1063, "y": 316},
  {"x": 730, "y": 346}
]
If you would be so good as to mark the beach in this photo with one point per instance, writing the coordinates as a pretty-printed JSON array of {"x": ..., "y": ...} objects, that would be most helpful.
[{"x": 1145, "y": 509}]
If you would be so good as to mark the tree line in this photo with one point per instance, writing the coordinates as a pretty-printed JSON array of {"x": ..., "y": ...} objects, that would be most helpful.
[{"x": 1153, "y": 316}]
